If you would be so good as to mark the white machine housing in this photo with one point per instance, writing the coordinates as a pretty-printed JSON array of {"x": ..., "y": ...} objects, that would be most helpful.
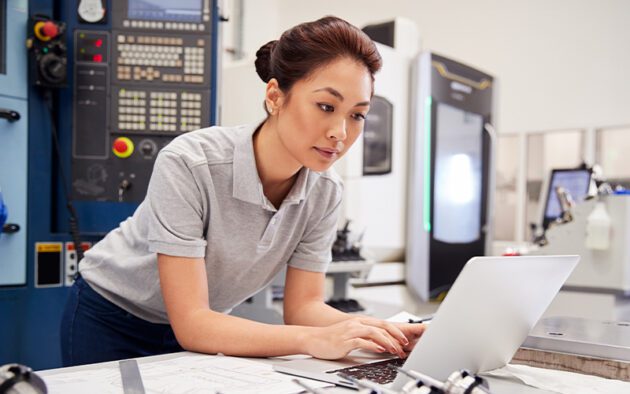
[{"x": 605, "y": 271}]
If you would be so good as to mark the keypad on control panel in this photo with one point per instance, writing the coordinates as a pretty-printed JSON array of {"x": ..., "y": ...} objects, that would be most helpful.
[
  {"x": 182, "y": 26},
  {"x": 166, "y": 59},
  {"x": 158, "y": 111}
]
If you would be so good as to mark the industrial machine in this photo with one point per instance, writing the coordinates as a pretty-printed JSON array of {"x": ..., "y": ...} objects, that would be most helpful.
[
  {"x": 450, "y": 172},
  {"x": 14, "y": 121},
  {"x": 109, "y": 84},
  {"x": 605, "y": 264}
]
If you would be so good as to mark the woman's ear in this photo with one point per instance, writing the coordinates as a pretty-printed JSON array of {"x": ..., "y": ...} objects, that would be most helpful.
[{"x": 273, "y": 97}]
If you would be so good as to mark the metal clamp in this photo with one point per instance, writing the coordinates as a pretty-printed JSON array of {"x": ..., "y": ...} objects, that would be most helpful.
[{"x": 459, "y": 382}]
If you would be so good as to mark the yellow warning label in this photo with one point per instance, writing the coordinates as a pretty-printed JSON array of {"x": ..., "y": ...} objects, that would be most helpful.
[{"x": 42, "y": 247}]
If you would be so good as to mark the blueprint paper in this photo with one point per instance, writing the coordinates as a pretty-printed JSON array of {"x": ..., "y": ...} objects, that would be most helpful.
[{"x": 188, "y": 374}]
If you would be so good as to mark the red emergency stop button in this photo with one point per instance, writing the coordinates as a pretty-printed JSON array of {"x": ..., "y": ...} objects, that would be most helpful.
[
  {"x": 122, "y": 147},
  {"x": 50, "y": 29},
  {"x": 46, "y": 31}
]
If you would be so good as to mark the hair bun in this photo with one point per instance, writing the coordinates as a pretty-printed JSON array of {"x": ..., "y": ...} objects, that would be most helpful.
[{"x": 263, "y": 60}]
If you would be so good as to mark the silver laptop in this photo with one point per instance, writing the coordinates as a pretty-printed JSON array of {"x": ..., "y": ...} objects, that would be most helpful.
[{"x": 486, "y": 316}]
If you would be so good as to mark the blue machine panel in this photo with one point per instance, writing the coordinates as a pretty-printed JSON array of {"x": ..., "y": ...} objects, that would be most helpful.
[
  {"x": 31, "y": 298},
  {"x": 13, "y": 177},
  {"x": 14, "y": 140}
]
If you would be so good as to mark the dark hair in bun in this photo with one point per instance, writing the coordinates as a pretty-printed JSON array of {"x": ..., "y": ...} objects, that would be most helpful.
[
  {"x": 263, "y": 60},
  {"x": 305, "y": 47}
]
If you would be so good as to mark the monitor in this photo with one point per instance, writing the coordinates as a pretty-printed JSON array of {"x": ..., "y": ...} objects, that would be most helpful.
[
  {"x": 166, "y": 10},
  {"x": 575, "y": 181}
]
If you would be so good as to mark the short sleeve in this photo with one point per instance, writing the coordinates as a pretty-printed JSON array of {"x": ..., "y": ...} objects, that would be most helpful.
[
  {"x": 314, "y": 251},
  {"x": 174, "y": 202}
]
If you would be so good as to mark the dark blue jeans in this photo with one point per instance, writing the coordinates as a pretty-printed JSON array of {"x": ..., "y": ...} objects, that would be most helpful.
[{"x": 95, "y": 330}]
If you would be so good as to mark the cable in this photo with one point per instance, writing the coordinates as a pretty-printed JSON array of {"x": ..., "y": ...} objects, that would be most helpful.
[{"x": 73, "y": 220}]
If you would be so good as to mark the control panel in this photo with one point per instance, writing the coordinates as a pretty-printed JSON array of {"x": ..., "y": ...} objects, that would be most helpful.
[{"x": 137, "y": 86}]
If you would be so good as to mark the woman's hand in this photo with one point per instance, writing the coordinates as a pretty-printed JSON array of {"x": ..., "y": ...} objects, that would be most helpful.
[
  {"x": 413, "y": 332},
  {"x": 337, "y": 340}
]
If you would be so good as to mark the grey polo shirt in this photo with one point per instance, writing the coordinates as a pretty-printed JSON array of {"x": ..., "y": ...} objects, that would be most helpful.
[{"x": 205, "y": 200}]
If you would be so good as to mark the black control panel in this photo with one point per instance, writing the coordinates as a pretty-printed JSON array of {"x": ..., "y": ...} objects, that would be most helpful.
[{"x": 137, "y": 86}]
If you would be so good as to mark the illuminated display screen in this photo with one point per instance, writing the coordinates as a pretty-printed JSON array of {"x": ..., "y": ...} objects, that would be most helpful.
[
  {"x": 165, "y": 10},
  {"x": 458, "y": 182},
  {"x": 576, "y": 182}
]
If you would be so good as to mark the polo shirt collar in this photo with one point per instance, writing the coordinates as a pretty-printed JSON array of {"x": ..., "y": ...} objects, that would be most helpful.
[{"x": 246, "y": 182}]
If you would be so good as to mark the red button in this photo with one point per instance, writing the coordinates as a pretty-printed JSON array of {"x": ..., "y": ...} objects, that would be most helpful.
[
  {"x": 120, "y": 146},
  {"x": 50, "y": 29}
]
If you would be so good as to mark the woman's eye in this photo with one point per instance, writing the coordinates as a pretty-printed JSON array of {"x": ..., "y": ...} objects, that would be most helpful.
[
  {"x": 326, "y": 107},
  {"x": 358, "y": 116}
]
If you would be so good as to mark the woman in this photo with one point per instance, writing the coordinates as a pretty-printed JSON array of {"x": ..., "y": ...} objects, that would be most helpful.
[{"x": 226, "y": 209}]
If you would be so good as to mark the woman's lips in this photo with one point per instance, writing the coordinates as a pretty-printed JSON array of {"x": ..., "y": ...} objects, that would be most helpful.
[{"x": 327, "y": 153}]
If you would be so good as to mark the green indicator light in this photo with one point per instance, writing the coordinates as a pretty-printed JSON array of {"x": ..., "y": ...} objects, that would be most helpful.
[
  {"x": 427, "y": 163},
  {"x": 45, "y": 50}
]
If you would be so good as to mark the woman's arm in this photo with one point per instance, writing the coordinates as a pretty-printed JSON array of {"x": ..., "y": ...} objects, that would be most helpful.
[
  {"x": 197, "y": 328},
  {"x": 304, "y": 300}
]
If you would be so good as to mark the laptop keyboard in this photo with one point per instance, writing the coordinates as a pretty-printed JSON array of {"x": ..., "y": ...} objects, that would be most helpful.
[{"x": 381, "y": 372}]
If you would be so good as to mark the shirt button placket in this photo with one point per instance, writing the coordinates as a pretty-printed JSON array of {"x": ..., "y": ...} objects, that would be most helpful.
[{"x": 270, "y": 231}]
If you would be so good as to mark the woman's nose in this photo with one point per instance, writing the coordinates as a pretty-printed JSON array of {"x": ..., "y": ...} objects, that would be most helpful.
[{"x": 338, "y": 131}]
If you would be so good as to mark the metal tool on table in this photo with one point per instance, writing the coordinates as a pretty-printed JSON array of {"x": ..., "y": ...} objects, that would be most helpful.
[
  {"x": 130, "y": 375},
  {"x": 20, "y": 379},
  {"x": 307, "y": 387},
  {"x": 458, "y": 382}
]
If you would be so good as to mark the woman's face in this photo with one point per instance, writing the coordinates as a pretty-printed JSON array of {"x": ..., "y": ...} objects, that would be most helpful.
[{"x": 325, "y": 113}]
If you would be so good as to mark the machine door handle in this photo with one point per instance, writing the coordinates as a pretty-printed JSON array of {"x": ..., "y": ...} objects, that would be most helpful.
[
  {"x": 9, "y": 115},
  {"x": 10, "y": 228}
]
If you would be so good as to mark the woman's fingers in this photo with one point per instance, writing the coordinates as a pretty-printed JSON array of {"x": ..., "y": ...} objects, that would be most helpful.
[
  {"x": 413, "y": 331},
  {"x": 360, "y": 343},
  {"x": 381, "y": 337},
  {"x": 337, "y": 340},
  {"x": 405, "y": 335},
  {"x": 391, "y": 328}
]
